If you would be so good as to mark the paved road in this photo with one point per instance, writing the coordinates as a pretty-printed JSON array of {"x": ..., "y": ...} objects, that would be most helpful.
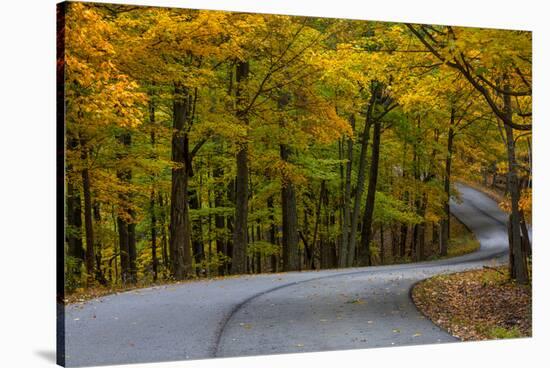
[{"x": 276, "y": 313}]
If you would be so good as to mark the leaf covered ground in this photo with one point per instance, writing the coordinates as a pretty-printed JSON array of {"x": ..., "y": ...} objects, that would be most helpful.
[{"x": 477, "y": 305}]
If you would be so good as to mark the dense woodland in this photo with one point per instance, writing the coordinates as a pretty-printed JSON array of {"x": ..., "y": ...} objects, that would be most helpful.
[{"x": 205, "y": 143}]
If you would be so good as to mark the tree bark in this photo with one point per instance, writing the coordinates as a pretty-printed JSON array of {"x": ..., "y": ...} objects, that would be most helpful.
[
  {"x": 343, "y": 259},
  {"x": 88, "y": 222},
  {"x": 240, "y": 236},
  {"x": 75, "y": 248},
  {"x": 219, "y": 220},
  {"x": 152, "y": 208},
  {"x": 152, "y": 205},
  {"x": 359, "y": 189},
  {"x": 180, "y": 237},
  {"x": 291, "y": 260},
  {"x": 197, "y": 241},
  {"x": 446, "y": 222},
  {"x": 520, "y": 261},
  {"x": 366, "y": 235}
]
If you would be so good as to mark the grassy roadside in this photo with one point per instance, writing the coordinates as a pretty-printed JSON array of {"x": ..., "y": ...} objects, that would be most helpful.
[{"x": 476, "y": 305}]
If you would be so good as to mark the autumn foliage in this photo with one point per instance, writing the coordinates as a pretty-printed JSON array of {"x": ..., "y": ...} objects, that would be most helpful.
[{"x": 206, "y": 143}]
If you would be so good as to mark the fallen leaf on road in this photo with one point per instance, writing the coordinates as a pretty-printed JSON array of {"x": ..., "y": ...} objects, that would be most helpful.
[{"x": 248, "y": 326}]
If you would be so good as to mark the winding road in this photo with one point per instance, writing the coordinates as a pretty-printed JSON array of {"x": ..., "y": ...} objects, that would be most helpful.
[{"x": 276, "y": 313}]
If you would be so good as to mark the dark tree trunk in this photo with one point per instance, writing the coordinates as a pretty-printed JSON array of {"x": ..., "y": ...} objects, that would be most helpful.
[
  {"x": 519, "y": 259},
  {"x": 132, "y": 254},
  {"x": 360, "y": 186},
  {"x": 88, "y": 223},
  {"x": 316, "y": 249},
  {"x": 126, "y": 224},
  {"x": 164, "y": 237},
  {"x": 403, "y": 240},
  {"x": 153, "y": 235},
  {"x": 219, "y": 220},
  {"x": 343, "y": 259},
  {"x": 152, "y": 206},
  {"x": 420, "y": 230},
  {"x": 198, "y": 244},
  {"x": 99, "y": 275},
  {"x": 291, "y": 260},
  {"x": 436, "y": 241},
  {"x": 366, "y": 235},
  {"x": 240, "y": 236},
  {"x": 272, "y": 233},
  {"x": 180, "y": 229},
  {"x": 75, "y": 248},
  {"x": 446, "y": 222},
  {"x": 382, "y": 249}
]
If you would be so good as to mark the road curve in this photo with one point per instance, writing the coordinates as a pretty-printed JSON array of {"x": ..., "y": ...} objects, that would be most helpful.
[{"x": 276, "y": 313}]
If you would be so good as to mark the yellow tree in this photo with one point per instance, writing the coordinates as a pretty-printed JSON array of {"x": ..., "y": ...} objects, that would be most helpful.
[
  {"x": 497, "y": 63},
  {"x": 98, "y": 95}
]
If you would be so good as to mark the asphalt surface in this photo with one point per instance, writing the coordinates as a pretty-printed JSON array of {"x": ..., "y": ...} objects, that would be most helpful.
[{"x": 276, "y": 313}]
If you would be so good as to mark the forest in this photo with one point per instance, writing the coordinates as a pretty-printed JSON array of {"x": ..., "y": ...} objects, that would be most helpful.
[{"x": 206, "y": 143}]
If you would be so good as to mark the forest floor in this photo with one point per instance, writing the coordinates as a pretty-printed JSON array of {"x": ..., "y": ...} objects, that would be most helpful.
[{"x": 476, "y": 305}]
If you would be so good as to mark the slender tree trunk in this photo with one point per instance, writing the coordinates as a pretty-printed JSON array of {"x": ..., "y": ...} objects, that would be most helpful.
[
  {"x": 180, "y": 236},
  {"x": 343, "y": 260},
  {"x": 163, "y": 237},
  {"x": 219, "y": 220},
  {"x": 99, "y": 275},
  {"x": 197, "y": 241},
  {"x": 359, "y": 188},
  {"x": 240, "y": 236},
  {"x": 152, "y": 205},
  {"x": 382, "y": 248},
  {"x": 272, "y": 233},
  {"x": 75, "y": 248},
  {"x": 366, "y": 235},
  {"x": 316, "y": 249},
  {"x": 520, "y": 262},
  {"x": 291, "y": 260},
  {"x": 446, "y": 222},
  {"x": 153, "y": 235},
  {"x": 90, "y": 256},
  {"x": 132, "y": 254}
]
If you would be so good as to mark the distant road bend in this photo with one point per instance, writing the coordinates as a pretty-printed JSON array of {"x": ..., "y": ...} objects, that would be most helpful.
[{"x": 276, "y": 313}]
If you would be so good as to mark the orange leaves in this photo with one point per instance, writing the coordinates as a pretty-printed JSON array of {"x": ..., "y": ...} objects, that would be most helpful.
[{"x": 97, "y": 92}]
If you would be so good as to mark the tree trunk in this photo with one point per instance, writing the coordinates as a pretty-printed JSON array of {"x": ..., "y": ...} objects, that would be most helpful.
[
  {"x": 382, "y": 249},
  {"x": 343, "y": 259},
  {"x": 291, "y": 260},
  {"x": 446, "y": 221},
  {"x": 316, "y": 249},
  {"x": 359, "y": 189},
  {"x": 75, "y": 248},
  {"x": 197, "y": 241},
  {"x": 366, "y": 235},
  {"x": 519, "y": 260},
  {"x": 219, "y": 220},
  {"x": 152, "y": 207},
  {"x": 153, "y": 235},
  {"x": 240, "y": 236},
  {"x": 90, "y": 256},
  {"x": 272, "y": 233},
  {"x": 180, "y": 237},
  {"x": 163, "y": 237}
]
